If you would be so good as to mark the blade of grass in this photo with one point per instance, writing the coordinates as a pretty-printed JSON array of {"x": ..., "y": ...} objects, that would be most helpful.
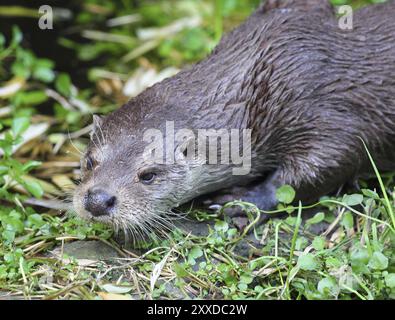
[
  {"x": 390, "y": 210},
  {"x": 292, "y": 250}
]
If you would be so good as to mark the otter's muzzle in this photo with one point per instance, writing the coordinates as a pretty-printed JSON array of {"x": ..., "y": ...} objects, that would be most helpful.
[{"x": 98, "y": 202}]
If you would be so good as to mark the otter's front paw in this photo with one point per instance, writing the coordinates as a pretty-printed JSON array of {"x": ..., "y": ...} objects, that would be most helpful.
[{"x": 221, "y": 202}]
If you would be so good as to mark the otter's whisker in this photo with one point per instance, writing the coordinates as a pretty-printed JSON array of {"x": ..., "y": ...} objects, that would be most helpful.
[{"x": 80, "y": 153}]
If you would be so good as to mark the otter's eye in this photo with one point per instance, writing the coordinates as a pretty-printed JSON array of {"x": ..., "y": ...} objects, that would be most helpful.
[
  {"x": 147, "y": 177},
  {"x": 90, "y": 163}
]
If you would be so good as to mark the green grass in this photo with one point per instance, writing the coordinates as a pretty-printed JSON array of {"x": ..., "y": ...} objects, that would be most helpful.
[{"x": 350, "y": 257}]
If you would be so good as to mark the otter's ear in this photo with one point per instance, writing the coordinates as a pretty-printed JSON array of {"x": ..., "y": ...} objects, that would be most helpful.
[{"x": 97, "y": 123}]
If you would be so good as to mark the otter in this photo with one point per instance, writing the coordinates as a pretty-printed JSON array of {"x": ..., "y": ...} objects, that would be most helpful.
[{"x": 309, "y": 92}]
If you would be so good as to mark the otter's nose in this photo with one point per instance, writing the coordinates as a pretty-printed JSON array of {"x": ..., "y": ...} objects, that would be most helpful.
[{"x": 99, "y": 203}]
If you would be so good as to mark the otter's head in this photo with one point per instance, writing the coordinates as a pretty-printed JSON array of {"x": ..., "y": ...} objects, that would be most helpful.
[{"x": 122, "y": 186}]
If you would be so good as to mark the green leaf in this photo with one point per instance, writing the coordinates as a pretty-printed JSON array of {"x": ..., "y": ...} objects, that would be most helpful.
[
  {"x": 3, "y": 272},
  {"x": 30, "y": 165},
  {"x": 328, "y": 287},
  {"x": 110, "y": 288},
  {"x": 36, "y": 220},
  {"x": 19, "y": 125},
  {"x": 285, "y": 194},
  {"x": 353, "y": 200},
  {"x": 73, "y": 117},
  {"x": 8, "y": 235},
  {"x": 359, "y": 258},
  {"x": 333, "y": 262},
  {"x": 45, "y": 75},
  {"x": 33, "y": 98},
  {"x": 318, "y": 217},
  {"x": 390, "y": 280},
  {"x": 180, "y": 271},
  {"x": 370, "y": 194},
  {"x": 3, "y": 170},
  {"x": 242, "y": 286},
  {"x": 13, "y": 223},
  {"x": 301, "y": 243},
  {"x": 232, "y": 233},
  {"x": 195, "y": 253},
  {"x": 258, "y": 289},
  {"x": 16, "y": 36},
  {"x": 19, "y": 69},
  {"x": 63, "y": 84},
  {"x": 42, "y": 70},
  {"x": 221, "y": 226},
  {"x": 291, "y": 221},
  {"x": 319, "y": 243},
  {"x": 348, "y": 220},
  {"x": 34, "y": 188},
  {"x": 308, "y": 262},
  {"x": 378, "y": 261},
  {"x": 246, "y": 278}
]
